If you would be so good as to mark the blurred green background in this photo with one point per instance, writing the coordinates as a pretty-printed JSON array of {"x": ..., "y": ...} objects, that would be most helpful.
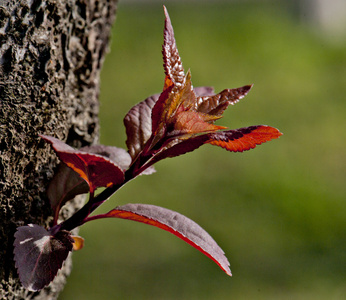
[{"x": 278, "y": 211}]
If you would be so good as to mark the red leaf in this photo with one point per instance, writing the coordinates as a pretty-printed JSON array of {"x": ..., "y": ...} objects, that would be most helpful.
[
  {"x": 158, "y": 111},
  {"x": 138, "y": 121},
  {"x": 237, "y": 140},
  {"x": 138, "y": 125},
  {"x": 96, "y": 170},
  {"x": 176, "y": 115},
  {"x": 119, "y": 156},
  {"x": 191, "y": 122},
  {"x": 64, "y": 186},
  {"x": 242, "y": 139},
  {"x": 173, "y": 222},
  {"x": 39, "y": 255}
]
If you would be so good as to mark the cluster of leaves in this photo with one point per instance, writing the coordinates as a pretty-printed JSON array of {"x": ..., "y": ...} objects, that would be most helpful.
[{"x": 177, "y": 121}]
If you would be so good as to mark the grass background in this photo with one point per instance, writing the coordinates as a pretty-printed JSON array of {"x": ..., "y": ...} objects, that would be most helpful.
[{"x": 277, "y": 211}]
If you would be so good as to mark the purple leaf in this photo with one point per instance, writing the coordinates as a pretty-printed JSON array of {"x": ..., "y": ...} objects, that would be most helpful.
[
  {"x": 203, "y": 91},
  {"x": 38, "y": 255},
  {"x": 65, "y": 185},
  {"x": 119, "y": 156},
  {"x": 173, "y": 222},
  {"x": 138, "y": 125}
]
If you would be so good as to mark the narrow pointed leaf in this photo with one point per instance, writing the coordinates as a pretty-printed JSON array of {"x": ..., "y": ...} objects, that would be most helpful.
[
  {"x": 96, "y": 170},
  {"x": 237, "y": 140},
  {"x": 243, "y": 139},
  {"x": 191, "y": 122},
  {"x": 175, "y": 223},
  {"x": 38, "y": 255},
  {"x": 217, "y": 104},
  {"x": 171, "y": 60}
]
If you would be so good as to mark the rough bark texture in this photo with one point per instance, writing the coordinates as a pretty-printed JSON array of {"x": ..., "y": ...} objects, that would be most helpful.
[{"x": 51, "y": 53}]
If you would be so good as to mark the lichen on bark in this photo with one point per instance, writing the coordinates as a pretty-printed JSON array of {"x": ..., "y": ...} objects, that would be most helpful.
[{"x": 51, "y": 53}]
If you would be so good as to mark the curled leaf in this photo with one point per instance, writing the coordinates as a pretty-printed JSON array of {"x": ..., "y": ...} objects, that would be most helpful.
[
  {"x": 138, "y": 125},
  {"x": 175, "y": 223},
  {"x": 39, "y": 255},
  {"x": 117, "y": 155},
  {"x": 65, "y": 185},
  {"x": 78, "y": 242},
  {"x": 96, "y": 170}
]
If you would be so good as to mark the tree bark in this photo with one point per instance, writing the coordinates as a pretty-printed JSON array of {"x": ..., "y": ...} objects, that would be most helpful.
[{"x": 51, "y": 53}]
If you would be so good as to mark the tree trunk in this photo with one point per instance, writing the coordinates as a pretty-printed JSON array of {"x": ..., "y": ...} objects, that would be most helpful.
[{"x": 51, "y": 53}]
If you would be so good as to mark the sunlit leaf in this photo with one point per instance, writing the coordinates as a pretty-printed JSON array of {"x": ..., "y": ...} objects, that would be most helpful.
[
  {"x": 138, "y": 121},
  {"x": 243, "y": 139}
]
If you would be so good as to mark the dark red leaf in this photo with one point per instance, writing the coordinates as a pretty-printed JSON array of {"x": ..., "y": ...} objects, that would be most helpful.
[
  {"x": 173, "y": 222},
  {"x": 66, "y": 183},
  {"x": 243, "y": 139},
  {"x": 38, "y": 255},
  {"x": 96, "y": 170},
  {"x": 138, "y": 125},
  {"x": 119, "y": 156},
  {"x": 64, "y": 186},
  {"x": 158, "y": 111}
]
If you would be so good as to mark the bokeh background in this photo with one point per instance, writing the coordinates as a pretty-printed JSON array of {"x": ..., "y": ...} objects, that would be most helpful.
[{"x": 278, "y": 211}]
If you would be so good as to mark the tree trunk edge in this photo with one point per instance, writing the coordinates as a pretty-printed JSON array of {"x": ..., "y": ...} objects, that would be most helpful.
[{"x": 51, "y": 54}]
